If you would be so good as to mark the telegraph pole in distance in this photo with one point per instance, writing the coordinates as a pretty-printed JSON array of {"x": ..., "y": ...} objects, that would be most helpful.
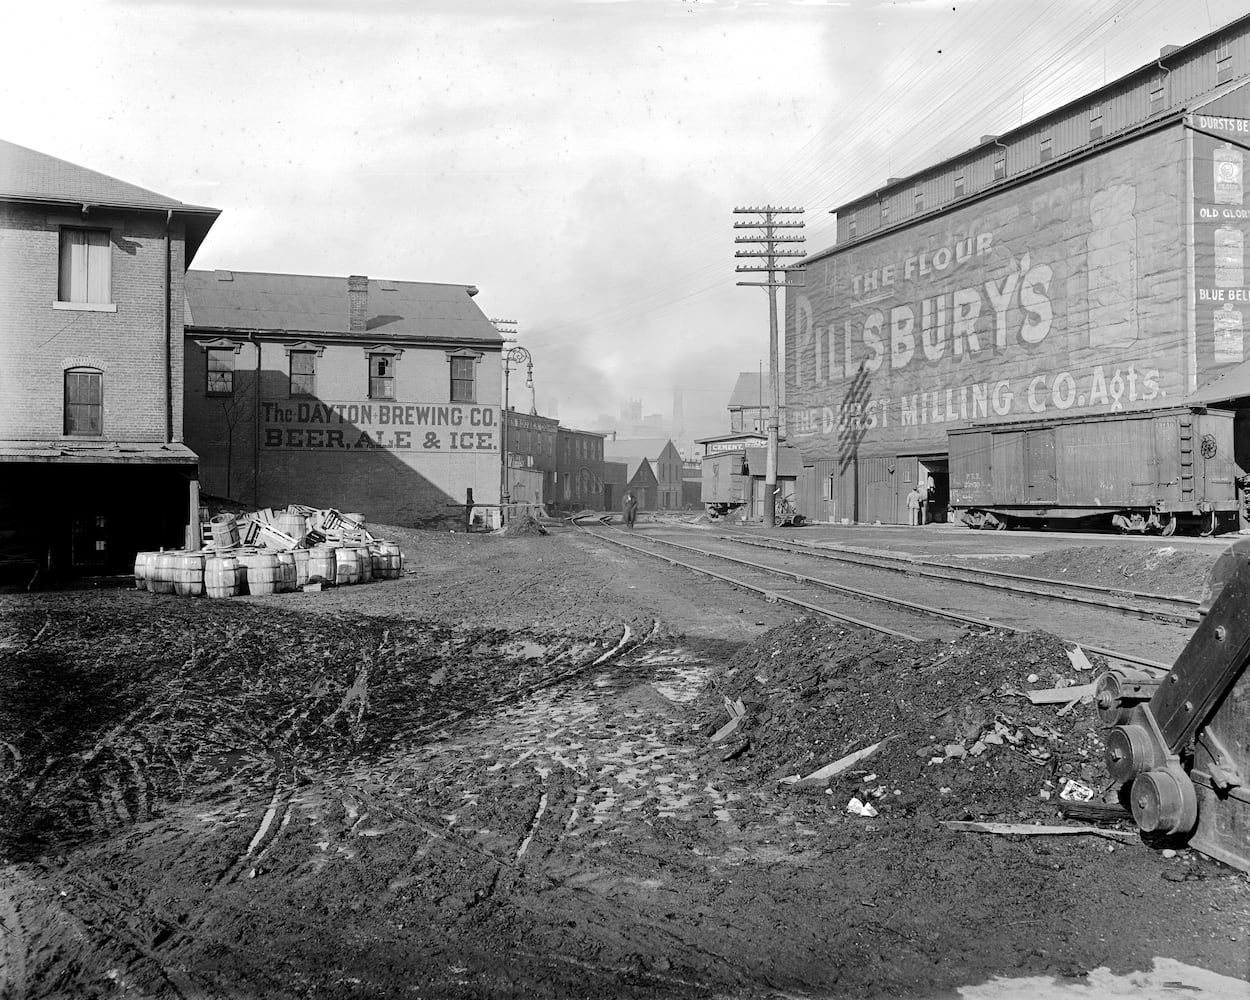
[
  {"x": 508, "y": 330},
  {"x": 766, "y": 248}
]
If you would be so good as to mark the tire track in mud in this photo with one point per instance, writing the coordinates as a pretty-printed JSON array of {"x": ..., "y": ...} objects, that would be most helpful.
[
  {"x": 105, "y": 918},
  {"x": 12, "y": 938}
]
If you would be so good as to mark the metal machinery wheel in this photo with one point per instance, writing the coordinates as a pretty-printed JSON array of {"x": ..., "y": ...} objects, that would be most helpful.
[
  {"x": 1168, "y": 527},
  {"x": 1209, "y": 530}
]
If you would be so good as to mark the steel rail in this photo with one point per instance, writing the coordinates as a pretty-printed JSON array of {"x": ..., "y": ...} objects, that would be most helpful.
[
  {"x": 762, "y": 591},
  {"x": 911, "y": 606},
  {"x": 1183, "y": 610}
]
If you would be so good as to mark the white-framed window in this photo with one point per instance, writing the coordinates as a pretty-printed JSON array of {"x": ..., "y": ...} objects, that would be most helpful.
[
  {"x": 84, "y": 402},
  {"x": 85, "y": 275},
  {"x": 219, "y": 371},
  {"x": 381, "y": 376},
  {"x": 303, "y": 373},
  {"x": 463, "y": 366}
]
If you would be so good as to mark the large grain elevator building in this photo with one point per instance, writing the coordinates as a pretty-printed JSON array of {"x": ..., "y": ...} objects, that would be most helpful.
[{"x": 1085, "y": 266}]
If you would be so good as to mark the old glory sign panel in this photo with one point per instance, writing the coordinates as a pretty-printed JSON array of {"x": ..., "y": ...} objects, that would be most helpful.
[
  {"x": 1058, "y": 297},
  {"x": 403, "y": 427}
]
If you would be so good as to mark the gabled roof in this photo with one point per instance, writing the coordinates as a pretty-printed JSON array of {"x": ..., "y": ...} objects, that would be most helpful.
[
  {"x": 632, "y": 450},
  {"x": 315, "y": 304},
  {"x": 27, "y": 175},
  {"x": 640, "y": 469},
  {"x": 751, "y": 389}
]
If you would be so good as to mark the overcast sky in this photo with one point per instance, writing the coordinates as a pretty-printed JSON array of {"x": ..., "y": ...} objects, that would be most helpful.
[{"x": 576, "y": 160}]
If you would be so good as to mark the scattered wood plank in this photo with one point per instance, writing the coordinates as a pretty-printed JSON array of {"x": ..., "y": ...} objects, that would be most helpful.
[
  {"x": 737, "y": 712},
  {"x": 1079, "y": 660},
  {"x": 842, "y": 764},
  {"x": 1060, "y": 696},
  {"x": 1031, "y": 830}
]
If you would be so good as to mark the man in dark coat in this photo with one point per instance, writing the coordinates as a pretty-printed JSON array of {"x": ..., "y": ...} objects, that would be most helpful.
[{"x": 631, "y": 508}]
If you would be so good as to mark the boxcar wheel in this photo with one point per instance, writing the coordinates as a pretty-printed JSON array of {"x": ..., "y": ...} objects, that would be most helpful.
[
  {"x": 1209, "y": 530},
  {"x": 1168, "y": 528}
]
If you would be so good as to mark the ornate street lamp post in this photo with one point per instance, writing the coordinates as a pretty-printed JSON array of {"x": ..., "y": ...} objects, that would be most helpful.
[{"x": 513, "y": 357}]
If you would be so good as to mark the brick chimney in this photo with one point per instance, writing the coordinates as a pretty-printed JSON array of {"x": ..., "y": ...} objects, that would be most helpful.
[{"x": 357, "y": 303}]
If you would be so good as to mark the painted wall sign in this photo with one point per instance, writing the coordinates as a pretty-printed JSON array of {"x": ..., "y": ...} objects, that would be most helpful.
[
  {"x": 1221, "y": 290},
  {"x": 1059, "y": 297},
  {"x": 321, "y": 425}
]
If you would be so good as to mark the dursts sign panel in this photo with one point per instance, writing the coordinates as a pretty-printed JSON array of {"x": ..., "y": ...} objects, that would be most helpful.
[
  {"x": 1220, "y": 222},
  {"x": 1058, "y": 297}
]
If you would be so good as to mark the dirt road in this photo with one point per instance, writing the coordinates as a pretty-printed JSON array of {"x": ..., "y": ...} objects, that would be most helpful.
[{"x": 497, "y": 777}]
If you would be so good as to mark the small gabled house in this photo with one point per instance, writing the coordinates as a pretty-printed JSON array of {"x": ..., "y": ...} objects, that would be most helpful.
[
  {"x": 93, "y": 466},
  {"x": 666, "y": 466}
]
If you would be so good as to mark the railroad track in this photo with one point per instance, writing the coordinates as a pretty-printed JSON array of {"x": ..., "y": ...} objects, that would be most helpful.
[
  {"x": 1123, "y": 600},
  {"x": 887, "y": 610}
]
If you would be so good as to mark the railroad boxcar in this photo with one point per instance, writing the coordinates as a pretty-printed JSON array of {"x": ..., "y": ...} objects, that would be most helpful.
[
  {"x": 733, "y": 481},
  {"x": 1149, "y": 471}
]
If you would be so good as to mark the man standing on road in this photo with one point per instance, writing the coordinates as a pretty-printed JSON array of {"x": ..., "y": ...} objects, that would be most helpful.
[
  {"x": 631, "y": 508},
  {"x": 926, "y": 496},
  {"x": 913, "y": 507}
]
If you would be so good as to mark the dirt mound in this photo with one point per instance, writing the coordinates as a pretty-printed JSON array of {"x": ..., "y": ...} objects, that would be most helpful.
[
  {"x": 523, "y": 525},
  {"x": 962, "y": 740}
]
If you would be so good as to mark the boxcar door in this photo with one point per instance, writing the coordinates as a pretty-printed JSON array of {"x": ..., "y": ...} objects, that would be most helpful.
[{"x": 1039, "y": 466}]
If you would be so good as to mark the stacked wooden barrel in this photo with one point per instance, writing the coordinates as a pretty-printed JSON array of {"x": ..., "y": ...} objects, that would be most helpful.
[{"x": 271, "y": 553}]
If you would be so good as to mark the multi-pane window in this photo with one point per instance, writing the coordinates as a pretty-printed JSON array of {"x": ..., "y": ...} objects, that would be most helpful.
[
  {"x": 85, "y": 269},
  {"x": 84, "y": 403},
  {"x": 381, "y": 376},
  {"x": 1095, "y": 121},
  {"x": 463, "y": 376},
  {"x": 220, "y": 371},
  {"x": 303, "y": 373}
]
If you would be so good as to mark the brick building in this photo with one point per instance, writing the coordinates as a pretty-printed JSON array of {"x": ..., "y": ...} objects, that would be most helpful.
[
  {"x": 92, "y": 463},
  {"x": 367, "y": 395},
  {"x": 531, "y": 457},
  {"x": 579, "y": 470}
]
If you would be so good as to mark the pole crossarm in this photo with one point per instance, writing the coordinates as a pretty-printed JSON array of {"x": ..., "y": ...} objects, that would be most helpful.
[{"x": 772, "y": 260}]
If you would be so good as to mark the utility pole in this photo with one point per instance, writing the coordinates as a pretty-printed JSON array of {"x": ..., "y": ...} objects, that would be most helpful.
[
  {"x": 511, "y": 357},
  {"x": 766, "y": 247}
]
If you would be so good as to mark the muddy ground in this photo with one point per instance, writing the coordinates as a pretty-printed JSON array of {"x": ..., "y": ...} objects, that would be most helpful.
[{"x": 507, "y": 774}]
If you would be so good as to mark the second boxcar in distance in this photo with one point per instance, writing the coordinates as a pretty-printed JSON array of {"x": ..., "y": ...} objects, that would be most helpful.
[
  {"x": 1152, "y": 471},
  {"x": 733, "y": 481}
]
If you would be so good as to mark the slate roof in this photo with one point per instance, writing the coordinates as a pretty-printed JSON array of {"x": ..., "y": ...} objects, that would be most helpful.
[
  {"x": 751, "y": 389},
  {"x": 315, "y": 304},
  {"x": 30, "y": 176}
]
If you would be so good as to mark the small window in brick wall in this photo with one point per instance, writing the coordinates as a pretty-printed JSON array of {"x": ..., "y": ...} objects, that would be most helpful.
[
  {"x": 85, "y": 270},
  {"x": 381, "y": 376},
  {"x": 463, "y": 380},
  {"x": 84, "y": 403},
  {"x": 303, "y": 373},
  {"x": 220, "y": 371}
]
